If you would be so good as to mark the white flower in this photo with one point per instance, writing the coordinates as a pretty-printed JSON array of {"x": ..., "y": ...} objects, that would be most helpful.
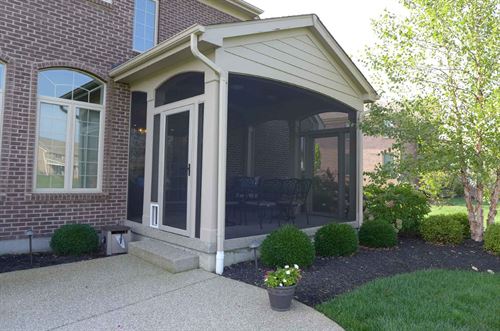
[
  {"x": 474, "y": 268},
  {"x": 287, "y": 266},
  {"x": 490, "y": 271},
  {"x": 281, "y": 284},
  {"x": 265, "y": 279},
  {"x": 288, "y": 272},
  {"x": 296, "y": 266},
  {"x": 284, "y": 280}
]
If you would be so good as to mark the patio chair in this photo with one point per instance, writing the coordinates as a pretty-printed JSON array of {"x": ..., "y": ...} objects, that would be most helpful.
[
  {"x": 267, "y": 197},
  {"x": 304, "y": 187},
  {"x": 288, "y": 197},
  {"x": 244, "y": 189}
]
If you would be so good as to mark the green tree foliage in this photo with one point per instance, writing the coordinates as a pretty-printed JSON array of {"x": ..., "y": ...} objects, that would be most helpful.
[{"x": 438, "y": 66}]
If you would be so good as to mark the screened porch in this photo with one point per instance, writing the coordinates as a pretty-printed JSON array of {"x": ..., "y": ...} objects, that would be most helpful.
[{"x": 291, "y": 158}]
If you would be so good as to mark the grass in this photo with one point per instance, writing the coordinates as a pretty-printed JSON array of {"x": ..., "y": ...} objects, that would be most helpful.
[
  {"x": 457, "y": 205},
  {"x": 424, "y": 300}
]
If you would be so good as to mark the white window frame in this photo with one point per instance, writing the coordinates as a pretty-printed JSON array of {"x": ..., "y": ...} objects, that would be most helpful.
[
  {"x": 70, "y": 138},
  {"x": 2, "y": 101},
  {"x": 157, "y": 16}
]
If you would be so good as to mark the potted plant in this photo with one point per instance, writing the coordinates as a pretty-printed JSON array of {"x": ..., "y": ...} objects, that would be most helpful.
[{"x": 281, "y": 286}]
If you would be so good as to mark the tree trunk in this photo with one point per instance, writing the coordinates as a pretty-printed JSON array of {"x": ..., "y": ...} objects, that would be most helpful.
[
  {"x": 474, "y": 202},
  {"x": 495, "y": 194}
]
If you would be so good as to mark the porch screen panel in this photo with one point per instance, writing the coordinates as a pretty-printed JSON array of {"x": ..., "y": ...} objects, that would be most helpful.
[
  {"x": 201, "y": 113},
  {"x": 180, "y": 87},
  {"x": 325, "y": 166},
  {"x": 156, "y": 157},
  {"x": 136, "y": 156}
]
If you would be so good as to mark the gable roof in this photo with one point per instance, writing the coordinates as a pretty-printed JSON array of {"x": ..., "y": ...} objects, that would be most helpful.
[{"x": 215, "y": 34}]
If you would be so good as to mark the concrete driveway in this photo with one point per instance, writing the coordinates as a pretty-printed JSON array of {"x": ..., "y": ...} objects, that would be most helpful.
[{"x": 126, "y": 293}]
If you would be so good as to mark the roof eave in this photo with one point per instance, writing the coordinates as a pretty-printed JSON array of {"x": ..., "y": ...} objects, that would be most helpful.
[{"x": 132, "y": 65}]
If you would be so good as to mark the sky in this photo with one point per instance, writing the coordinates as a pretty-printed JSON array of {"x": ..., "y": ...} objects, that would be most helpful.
[{"x": 349, "y": 21}]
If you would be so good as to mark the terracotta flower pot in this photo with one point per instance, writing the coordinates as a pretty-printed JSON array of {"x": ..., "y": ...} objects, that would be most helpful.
[{"x": 281, "y": 297}]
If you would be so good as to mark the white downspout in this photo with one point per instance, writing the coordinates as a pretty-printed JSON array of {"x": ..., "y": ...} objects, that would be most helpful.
[{"x": 221, "y": 175}]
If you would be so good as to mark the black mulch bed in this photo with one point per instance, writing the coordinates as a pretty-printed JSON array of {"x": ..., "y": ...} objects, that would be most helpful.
[
  {"x": 13, "y": 262},
  {"x": 329, "y": 277}
]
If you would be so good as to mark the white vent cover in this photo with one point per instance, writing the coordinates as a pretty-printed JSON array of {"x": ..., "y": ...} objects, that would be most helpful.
[{"x": 154, "y": 214}]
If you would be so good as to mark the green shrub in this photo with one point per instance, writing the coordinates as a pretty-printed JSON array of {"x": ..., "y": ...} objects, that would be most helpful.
[
  {"x": 377, "y": 234},
  {"x": 336, "y": 240},
  {"x": 441, "y": 229},
  {"x": 74, "y": 239},
  {"x": 492, "y": 238},
  {"x": 463, "y": 219},
  {"x": 287, "y": 246},
  {"x": 401, "y": 205}
]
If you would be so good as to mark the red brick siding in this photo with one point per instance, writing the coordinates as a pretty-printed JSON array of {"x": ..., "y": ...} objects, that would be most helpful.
[{"x": 89, "y": 35}]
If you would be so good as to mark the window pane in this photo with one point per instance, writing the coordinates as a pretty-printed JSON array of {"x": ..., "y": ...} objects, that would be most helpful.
[
  {"x": 69, "y": 84},
  {"x": 86, "y": 148},
  {"x": 2, "y": 75},
  {"x": 144, "y": 25},
  {"x": 51, "y": 146}
]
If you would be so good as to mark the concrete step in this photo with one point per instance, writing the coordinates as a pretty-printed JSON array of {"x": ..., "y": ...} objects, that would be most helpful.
[{"x": 163, "y": 255}]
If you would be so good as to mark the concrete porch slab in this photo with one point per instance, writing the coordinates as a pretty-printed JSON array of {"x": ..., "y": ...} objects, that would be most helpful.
[{"x": 127, "y": 293}]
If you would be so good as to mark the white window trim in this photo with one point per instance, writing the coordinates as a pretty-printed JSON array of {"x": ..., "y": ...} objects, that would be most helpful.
[
  {"x": 70, "y": 131},
  {"x": 157, "y": 19},
  {"x": 2, "y": 101}
]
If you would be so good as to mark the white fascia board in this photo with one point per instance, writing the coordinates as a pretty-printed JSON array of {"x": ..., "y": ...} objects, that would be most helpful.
[
  {"x": 215, "y": 34},
  {"x": 174, "y": 43}
]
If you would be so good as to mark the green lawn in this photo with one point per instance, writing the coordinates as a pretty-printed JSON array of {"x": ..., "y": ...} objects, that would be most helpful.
[
  {"x": 457, "y": 205},
  {"x": 424, "y": 300}
]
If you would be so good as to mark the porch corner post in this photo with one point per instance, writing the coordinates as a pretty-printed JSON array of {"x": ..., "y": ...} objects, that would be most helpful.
[
  {"x": 221, "y": 191},
  {"x": 222, "y": 150},
  {"x": 359, "y": 166}
]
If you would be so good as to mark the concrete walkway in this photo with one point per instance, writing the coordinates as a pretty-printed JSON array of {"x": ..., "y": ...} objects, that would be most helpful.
[{"x": 126, "y": 293}]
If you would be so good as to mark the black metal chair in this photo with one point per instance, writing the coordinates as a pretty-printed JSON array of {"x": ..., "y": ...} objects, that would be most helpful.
[
  {"x": 304, "y": 187},
  {"x": 288, "y": 197},
  {"x": 266, "y": 198}
]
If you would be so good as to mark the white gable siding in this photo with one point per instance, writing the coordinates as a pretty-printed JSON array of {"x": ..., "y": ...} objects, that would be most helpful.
[{"x": 296, "y": 59}]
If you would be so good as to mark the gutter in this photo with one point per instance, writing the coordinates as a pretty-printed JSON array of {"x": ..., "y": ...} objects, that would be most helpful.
[{"x": 221, "y": 174}]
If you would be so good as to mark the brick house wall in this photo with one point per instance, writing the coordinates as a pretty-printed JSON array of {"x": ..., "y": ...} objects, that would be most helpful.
[{"x": 92, "y": 36}]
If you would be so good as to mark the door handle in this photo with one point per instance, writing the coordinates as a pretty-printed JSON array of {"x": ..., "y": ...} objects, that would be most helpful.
[{"x": 188, "y": 169}]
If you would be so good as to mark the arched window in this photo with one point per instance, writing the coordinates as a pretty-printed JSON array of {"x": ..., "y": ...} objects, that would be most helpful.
[
  {"x": 2, "y": 93},
  {"x": 70, "y": 137},
  {"x": 182, "y": 86}
]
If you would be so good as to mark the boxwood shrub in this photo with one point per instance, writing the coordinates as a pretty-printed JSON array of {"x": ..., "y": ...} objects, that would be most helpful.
[
  {"x": 463, "y": 219},
  {"x": 74, "y": 239},
  {"x": 287, "y": 246},
  {"x": 401, "y": 205},
  {"x": 492, "y": 238},
  {"x": 377, "y": 234},
  {"x": 441, "y": 229},
  {"x": 336, "y": 240}
]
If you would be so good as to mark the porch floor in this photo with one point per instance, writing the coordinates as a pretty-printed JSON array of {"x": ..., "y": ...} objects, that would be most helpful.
[{"x": 124, "y": 292}]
